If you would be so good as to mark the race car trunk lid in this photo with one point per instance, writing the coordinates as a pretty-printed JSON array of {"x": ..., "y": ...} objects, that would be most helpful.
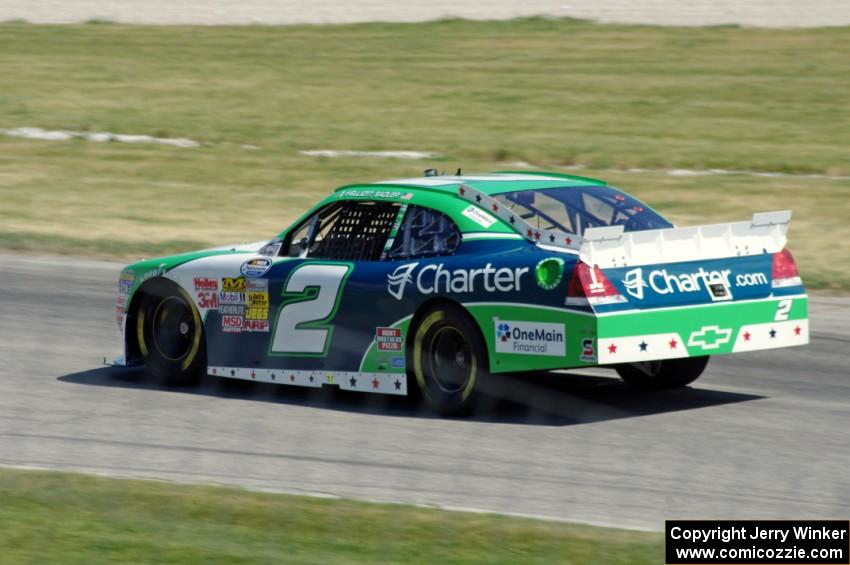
[
  {"x": 683, "y": 292},
  {"x": 683, "y": 266}
]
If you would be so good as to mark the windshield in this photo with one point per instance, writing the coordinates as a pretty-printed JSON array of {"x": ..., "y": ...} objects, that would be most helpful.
[{"x": 572, "y": 210}]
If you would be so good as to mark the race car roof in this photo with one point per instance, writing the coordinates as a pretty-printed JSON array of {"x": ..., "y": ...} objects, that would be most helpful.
[{"x": 496, "y": 183}]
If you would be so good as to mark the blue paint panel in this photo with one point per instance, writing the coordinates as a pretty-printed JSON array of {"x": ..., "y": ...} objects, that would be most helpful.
[{"x": 379, "y": 293}]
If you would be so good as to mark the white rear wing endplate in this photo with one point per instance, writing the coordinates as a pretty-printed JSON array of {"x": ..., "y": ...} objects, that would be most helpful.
[{"x": 612, "y": 247}]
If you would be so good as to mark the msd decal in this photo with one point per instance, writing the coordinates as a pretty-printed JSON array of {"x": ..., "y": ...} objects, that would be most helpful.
[
  {"x": 232, "y": 324},
  {"x": 530, "y": 338},
  {"x": 436, "y": 279}
]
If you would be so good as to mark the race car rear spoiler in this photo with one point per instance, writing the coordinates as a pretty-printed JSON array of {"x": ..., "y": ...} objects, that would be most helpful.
[{"x": 608, "y": 247}]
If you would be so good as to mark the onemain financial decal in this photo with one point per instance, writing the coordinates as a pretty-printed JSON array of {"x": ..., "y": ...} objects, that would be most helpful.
[
  {"x": 661, "y": 281},
  {"x": 436, "y": 279},
  {"x": 530, "y": 338}
]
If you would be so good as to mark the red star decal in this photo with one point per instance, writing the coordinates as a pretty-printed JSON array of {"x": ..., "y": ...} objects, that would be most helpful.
[
  {"x": 495, "y": 207},
  {"x": 612, "y": 348},
  {"x": 529, "y": 233},
  {"x": 797, "y": 330},
  {"x": 673, "y": 343},
  {"x": 537, "y": 235},
  {"x": 747, "y": 336},
  {"x": 292, "y": 378},
  {"x": 253, "y": 374},
  {"x": 375, "y": 383},
  {"x": 569, "y": 240},
  {"x": 214, "y": 371},
  {"x": 462, "y": 191}
]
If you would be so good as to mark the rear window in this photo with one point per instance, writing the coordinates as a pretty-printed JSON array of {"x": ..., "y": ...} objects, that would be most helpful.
[{"x": 573, "y": 210}]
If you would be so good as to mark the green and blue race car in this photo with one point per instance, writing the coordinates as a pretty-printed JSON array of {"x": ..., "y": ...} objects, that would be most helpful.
[{"x": 441, "y": 283}]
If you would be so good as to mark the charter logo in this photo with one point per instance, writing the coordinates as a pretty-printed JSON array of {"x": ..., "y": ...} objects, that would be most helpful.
[
  {"x": 437, "y": 279},
  {"x": 530, "y": 338},
  {"x": 399, "y": 279},
  {"x": 633, "y": 281},
  {"x": 662, "y": 282}
]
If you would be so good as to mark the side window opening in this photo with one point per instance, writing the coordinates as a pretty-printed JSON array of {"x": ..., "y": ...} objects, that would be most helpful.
[
  {"x": 345, "y": 231},
  {"x": 424, "y": 233}
]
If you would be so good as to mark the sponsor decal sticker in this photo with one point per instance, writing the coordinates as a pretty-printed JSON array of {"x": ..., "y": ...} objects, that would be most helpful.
[
  {"x": 398, "y": 362},
  {"x": 232, "y": 324},
  {"x": 126, "y": 282},
  {"x": 710, "y": 337},
  {"x": 588, "y": 350},
  {"x": 661, "y": 281},
  {"x": 257, "y": 285},
  {"x": 389, "y": 339},
  {"x": 530, "y": 338},
  {"x": 204, "y": 283},
  {"x": 257, "y": 307},
  {"x": 231, "y": 309},
  {"x": 233, "y": 284},
  {"x": 207, "y": 300},
  {"x": 256, "y": 326},
  {"x": 479, "y": 216},
  {"x": 549, "y": 273},
  {"x": 158, "y": 272},
  {"x": 256, "y": 267},
  {"x": 231, "y": 298},
  {"x": 436, "y": 279},
  {"x": 372, "y": 194}
]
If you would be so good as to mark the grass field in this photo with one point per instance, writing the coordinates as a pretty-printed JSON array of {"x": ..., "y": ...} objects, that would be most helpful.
[
  {"x": 549, "y": 93},
  {"x": 70, "y": 518}
]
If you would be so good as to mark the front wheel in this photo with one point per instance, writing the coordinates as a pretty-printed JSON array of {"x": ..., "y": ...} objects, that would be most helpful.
[
  {"x": 670, "y": 373},
  {"x": 170, "y": 334},
  {"x": 449, "y": 358}
]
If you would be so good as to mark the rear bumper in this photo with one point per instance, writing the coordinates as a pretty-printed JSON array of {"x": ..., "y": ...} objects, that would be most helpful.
[
  {"x": 590, "y": 339},
  {"x": 713, "y": 329}
]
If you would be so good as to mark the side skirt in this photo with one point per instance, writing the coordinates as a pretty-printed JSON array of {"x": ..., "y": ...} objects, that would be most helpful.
[{"x": 382, "y": 383}]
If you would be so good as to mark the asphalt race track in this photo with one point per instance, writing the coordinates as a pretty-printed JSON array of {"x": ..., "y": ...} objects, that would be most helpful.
[{"x": 761, "y": 435}]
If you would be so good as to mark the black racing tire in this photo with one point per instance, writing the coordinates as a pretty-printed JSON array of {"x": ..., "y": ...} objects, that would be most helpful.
[
  {"x": 658, "y": 375},
  {"x": 170, "y": 334},
  {"x": 448, "y": 359}
]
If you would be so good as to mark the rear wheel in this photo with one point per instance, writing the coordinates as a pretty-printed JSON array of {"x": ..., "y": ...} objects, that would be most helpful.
[
  {"x": 449, "y": 358},
  {"x": 670, "y": 373},
  {"x": 170, "y": 334}
]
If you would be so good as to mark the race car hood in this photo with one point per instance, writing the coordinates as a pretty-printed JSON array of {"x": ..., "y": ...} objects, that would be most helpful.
[{"x": 133, "y": 275}]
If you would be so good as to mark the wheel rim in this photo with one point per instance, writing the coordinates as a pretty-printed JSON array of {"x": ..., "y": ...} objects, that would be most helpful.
[
  {"x": 450, "y": 360},
  {"x": 173, "y": 328}
]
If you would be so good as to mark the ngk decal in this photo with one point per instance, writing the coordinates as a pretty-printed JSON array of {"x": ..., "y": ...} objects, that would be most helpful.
[
  {"x": 436, "y": 279},
  {"x": 661, "y": 281}
]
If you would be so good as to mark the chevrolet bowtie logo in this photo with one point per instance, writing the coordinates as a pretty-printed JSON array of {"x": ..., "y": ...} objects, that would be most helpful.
[{"x": 710, "y": 337}]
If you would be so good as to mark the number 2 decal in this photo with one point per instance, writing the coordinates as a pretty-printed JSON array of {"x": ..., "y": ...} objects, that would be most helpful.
[
  {"x": 782, "y": 309},
  {"x": 311, "y": 297}
]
